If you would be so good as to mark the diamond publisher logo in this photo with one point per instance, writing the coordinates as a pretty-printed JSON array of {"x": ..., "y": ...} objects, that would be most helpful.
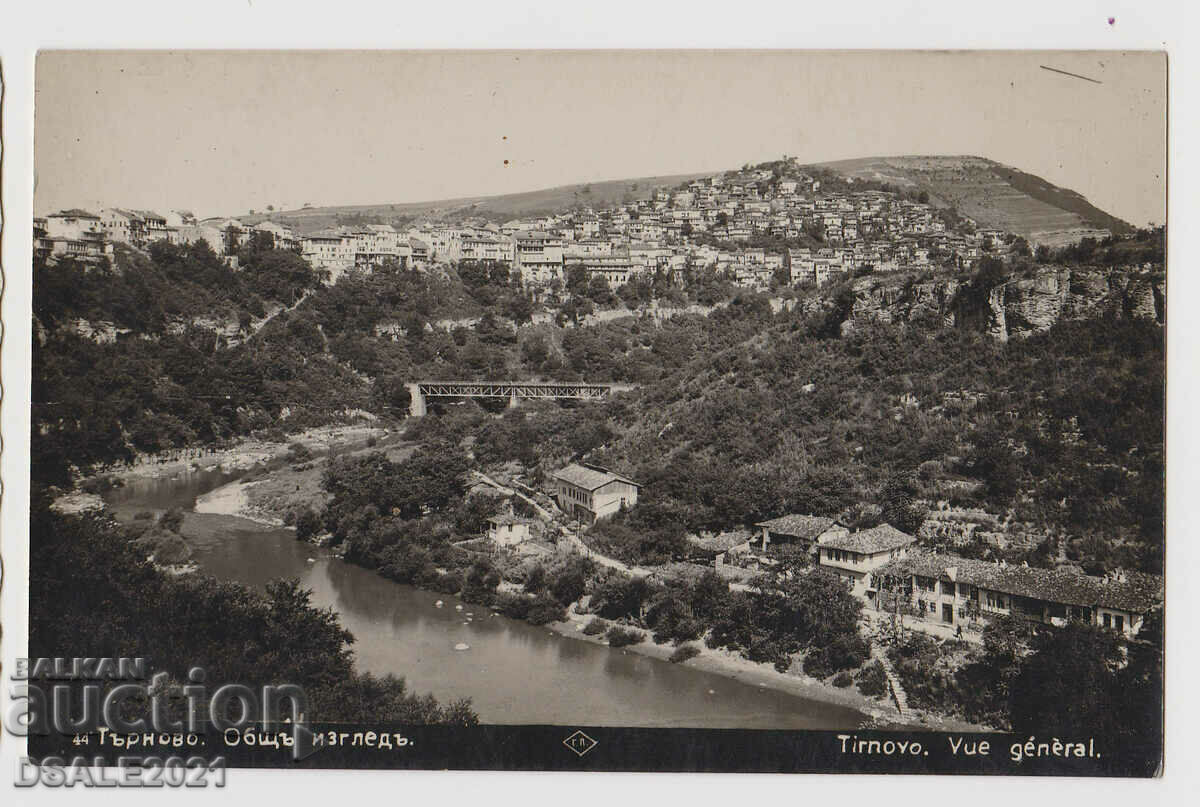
[{"x": 580, "y": 743}]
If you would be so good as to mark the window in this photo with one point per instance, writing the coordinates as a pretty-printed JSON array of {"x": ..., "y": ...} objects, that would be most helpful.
[
  {"x": 1107, "y": 620},
  {"x": 1120, "y": 622},
  {"x": 947, "y": 588}
]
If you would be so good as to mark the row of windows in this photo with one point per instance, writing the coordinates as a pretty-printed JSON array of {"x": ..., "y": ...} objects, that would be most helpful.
[{"x": 576, "y": 495}]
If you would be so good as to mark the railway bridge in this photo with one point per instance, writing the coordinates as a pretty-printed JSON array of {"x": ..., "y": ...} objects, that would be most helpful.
[{"x": 514, "y": 391}]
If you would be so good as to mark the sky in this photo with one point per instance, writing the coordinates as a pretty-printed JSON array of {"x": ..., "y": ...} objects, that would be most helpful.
[{"x": 221, "y": 133}]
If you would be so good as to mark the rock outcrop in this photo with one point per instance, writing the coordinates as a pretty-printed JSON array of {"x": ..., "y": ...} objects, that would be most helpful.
[{"x": 1017, "y": 308}]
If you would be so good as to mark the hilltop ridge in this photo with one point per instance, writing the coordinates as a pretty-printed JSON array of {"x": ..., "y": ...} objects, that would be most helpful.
[
  {"x": 993, "y": 194},
  {"x": 503, "y": 206}
]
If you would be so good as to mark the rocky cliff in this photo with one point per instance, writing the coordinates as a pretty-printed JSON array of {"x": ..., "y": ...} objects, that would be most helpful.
[{"x": 1017, "y": 308}]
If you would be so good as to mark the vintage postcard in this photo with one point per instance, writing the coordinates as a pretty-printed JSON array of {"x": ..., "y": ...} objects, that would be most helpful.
[{"x": 724, "y": 411}]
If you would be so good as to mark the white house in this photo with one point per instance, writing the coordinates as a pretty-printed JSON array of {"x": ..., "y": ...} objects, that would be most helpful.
[{"x": 588, "y": 493}]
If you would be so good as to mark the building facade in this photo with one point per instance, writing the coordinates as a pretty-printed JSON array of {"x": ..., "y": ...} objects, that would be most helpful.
[
  {"x": 956, "y": 590},
  {"x": 508, "y": 530},
  {"x": 588, "y": 493},
  {"x": 854, "y": 556}
]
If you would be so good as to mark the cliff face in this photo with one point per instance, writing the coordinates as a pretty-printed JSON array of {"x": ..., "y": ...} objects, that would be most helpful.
[{"x": 1017, "y": 308}]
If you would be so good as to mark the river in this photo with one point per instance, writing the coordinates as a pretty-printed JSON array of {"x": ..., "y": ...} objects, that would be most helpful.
[{"x": 514, "y": 673}]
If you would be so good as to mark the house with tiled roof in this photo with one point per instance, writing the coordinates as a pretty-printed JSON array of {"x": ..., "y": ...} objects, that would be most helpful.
[
  {"x": 75, "y": 234},
  {"x": 953, "y": 589},
  {"x": 801, "y": 531},
  {"x": 588, "y": 492},
  {"x": 853, "y": 556}
]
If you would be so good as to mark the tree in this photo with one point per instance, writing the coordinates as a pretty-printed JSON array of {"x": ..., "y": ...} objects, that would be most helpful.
[
  {"x": 1067, "y": 686},
  {"x": 899, "y": 507}
]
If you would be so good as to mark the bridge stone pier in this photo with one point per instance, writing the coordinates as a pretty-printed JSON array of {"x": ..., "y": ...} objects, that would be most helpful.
[{"x": 514, "y": 391}]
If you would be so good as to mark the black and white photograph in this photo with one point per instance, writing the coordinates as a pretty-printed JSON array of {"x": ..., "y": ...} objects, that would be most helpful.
[{"x": 752, "y": 411}]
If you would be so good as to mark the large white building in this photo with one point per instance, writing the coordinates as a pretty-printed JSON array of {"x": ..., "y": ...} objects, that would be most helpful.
[{"x": 588, "y": 493}]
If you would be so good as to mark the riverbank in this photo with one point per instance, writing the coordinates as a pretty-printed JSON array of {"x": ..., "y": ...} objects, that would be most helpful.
[
  {"x": 881, "y": 712},
  {"x": 233, "y": 499},
  {"x": 269, "y": 498},
  {"x": 249, "y": 453}
]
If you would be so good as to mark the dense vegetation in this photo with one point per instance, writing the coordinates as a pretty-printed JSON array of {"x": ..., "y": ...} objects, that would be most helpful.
[
  {"x": 1074, "y": 681},
  {"x": 129, "y": 608},
  {"x": 745, "y": 415}
]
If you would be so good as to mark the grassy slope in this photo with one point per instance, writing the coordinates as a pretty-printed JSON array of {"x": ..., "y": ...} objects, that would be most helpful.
[
  {"x": 512, "y": 205},
  {"x": 993, "y": 194}
]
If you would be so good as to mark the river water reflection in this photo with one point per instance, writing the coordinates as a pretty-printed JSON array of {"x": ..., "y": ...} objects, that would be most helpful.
[{"x": 514, "y": 673}]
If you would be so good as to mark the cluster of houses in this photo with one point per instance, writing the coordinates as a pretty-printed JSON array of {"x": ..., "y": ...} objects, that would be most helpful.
[
  {"x": 704, "y": 223},
  {"x": 89, "y": 237},
  {"x": 886, "y": 568},
  {"x": 871, "y": 228}
]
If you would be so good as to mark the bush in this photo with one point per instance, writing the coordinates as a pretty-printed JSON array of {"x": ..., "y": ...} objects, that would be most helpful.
[
  {"x": 515, "y": 606},
  {"x": 620, "y": 637},
  {"x": 545, "y": 610},
  {"x": 845, "y": 652},
  {"x": 535, "y": 581},
  {"x": 595, "y": 627},
  {"x": 308, "y": 524},
  {"x": 683, "y": 653},
  {"x": 171, "y": 520},
  {"x": 872, "y": 681},
  {"x": 449, "y": 583},
  {"x": 842, "y": 680},
  {"x": 298, "y": 452}
]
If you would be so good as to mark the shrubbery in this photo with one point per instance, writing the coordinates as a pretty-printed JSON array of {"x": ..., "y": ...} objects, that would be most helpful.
[
  {"x": 544, "y": 610},
  {"x": 595, "y": 627},
  {"x": 684, "y": 653},
  {"x": 622, "y": 637},
  {"x": 844, "y": 652},
  {"x": 872, "y": 681}
]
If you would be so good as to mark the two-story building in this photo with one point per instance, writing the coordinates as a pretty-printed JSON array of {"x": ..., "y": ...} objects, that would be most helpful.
[
  {"x": 75, "y": 234},
  {"x": 956, "y": 590},
  {"x": 854, "y": 556},
  {"x": 588, "y": 492},
  {"x": 615, "y": 269}
]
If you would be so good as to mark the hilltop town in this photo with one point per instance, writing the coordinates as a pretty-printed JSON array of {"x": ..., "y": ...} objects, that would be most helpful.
[{"x": 775, "y": 222}]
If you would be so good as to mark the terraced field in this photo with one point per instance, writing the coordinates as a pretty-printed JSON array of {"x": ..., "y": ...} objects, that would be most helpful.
[{"x": 994, "y": 195}]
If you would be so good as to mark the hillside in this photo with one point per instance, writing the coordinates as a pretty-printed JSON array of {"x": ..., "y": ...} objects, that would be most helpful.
[
  {"x": 993, "y": 194},
  {"x": 499, "y": 208}
]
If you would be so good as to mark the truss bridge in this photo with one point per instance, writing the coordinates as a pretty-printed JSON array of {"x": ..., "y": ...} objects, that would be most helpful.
[{"x": 514, "y": 391}]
